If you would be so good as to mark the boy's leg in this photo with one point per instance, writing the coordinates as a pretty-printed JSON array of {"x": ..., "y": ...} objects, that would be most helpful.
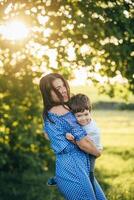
[
  {"x": 92, "y": 166},
  {"x": 52, "y": 181}
]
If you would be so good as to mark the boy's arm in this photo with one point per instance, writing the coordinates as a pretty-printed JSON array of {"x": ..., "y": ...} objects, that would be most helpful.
[
  {"x": 97, "y": 142},
  {"x": 93, "y": 132}
]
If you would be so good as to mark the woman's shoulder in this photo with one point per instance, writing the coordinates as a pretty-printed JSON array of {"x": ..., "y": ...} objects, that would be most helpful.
[{"x": 59, "y": 110}]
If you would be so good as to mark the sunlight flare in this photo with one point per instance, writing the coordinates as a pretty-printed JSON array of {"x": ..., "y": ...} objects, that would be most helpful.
[{"x": 15, "y": 30}]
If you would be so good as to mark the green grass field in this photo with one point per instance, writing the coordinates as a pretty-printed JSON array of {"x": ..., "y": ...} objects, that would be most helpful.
[{"x": 115, "y": 168}]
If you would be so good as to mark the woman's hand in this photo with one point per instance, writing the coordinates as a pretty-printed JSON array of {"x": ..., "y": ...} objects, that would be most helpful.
[{"x": 87, "y": 145}]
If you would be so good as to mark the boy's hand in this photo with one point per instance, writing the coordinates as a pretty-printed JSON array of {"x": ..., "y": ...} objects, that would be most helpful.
[{"x": 69, "y": 136}]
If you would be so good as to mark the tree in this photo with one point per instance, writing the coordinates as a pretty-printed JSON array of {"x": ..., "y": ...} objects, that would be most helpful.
[
  {"x": 25, "y": 156},
  {"x": 76, "y": 34}
]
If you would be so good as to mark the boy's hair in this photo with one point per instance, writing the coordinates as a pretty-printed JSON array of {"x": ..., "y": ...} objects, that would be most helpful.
[{"x": 79, "y": 103}]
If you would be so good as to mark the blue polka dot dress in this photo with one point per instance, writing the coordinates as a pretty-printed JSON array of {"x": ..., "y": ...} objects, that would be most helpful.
[{"x": 72, "y": 164}]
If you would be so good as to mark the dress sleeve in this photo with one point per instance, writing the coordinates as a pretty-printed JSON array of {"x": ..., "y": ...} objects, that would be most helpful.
[
  {"x": 56, "y": 133},
  {"x": 76, "y": 130}
]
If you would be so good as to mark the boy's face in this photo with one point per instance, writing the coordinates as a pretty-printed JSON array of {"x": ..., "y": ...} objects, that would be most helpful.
[{"x": 84, "y": 117}]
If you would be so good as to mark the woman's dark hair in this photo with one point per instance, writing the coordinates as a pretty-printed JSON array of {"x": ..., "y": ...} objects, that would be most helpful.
[
  {"x": 46, "y": 86},
  {"x": 79, "y": 103}
]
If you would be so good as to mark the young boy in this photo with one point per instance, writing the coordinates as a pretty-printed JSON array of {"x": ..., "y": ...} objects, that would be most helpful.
[{"x": 80, "y": 105}]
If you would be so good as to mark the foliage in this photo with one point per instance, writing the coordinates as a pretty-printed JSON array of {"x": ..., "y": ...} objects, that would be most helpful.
[
  {"x": 68, "y": 34},
  {"x": 25, "y": 157}
]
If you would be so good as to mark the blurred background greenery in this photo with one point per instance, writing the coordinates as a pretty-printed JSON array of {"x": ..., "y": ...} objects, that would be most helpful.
[{"x": 38, "y": 37}]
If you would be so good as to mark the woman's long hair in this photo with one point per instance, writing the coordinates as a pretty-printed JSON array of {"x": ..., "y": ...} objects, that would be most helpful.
[{"x": 46, "y": 86}]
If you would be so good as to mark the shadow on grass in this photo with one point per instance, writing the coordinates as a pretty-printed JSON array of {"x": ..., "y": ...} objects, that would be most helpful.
[
  {"x": 100, "y": 176},
  {"x": 125, "y": 154},
  {"x": 27, "y": 186}
]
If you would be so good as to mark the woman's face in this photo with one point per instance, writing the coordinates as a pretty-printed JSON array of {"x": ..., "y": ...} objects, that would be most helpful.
[{"x": 59, "y": 85}]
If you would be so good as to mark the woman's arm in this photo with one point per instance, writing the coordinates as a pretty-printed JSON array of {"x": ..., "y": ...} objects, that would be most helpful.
[
  {"x": 84, "y": 143},
  {"x": 46, "y": 136},
  {"x": 87, "y": 145}
]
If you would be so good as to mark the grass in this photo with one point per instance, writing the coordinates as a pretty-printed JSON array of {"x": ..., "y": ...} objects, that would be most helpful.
[
  {"x": 116, "y": 166},
  {"x": 115, "y": 124}
]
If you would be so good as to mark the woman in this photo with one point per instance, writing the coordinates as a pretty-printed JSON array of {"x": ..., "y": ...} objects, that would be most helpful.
[{"x": 72, "y": 160}]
